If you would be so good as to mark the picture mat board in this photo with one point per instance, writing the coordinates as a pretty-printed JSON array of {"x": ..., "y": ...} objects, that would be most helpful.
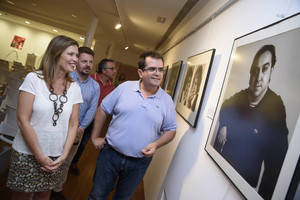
[{"x": 203, "y": 61}]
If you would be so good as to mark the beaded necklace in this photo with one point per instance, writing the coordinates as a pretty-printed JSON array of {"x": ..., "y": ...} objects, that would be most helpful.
[{"x": 62, "y": 99}]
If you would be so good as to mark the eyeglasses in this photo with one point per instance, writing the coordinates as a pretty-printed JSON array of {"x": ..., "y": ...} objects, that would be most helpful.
[{"x": 153, "y": 69}]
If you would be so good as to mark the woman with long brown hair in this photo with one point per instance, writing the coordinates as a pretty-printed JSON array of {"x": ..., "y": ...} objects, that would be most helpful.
[{"x": 47, "y": 114}]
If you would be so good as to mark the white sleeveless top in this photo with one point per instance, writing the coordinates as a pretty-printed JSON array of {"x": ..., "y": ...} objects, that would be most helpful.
[{"x": 51, "y": 138}]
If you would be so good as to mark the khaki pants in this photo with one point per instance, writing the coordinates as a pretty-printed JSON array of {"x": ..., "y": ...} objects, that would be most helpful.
[{"x": 65, "y": 167}]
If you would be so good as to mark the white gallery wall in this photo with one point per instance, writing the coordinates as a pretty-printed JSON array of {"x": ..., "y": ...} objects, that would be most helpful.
[
  {"x": 36, "y": 42},
  {"x": 182, "y": 169}
]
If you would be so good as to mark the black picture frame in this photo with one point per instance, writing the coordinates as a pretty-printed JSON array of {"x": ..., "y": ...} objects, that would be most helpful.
[
  {"x": 193, "y": 86},
  {"x": 258, "y": 163},
  {"x": 172, "y": 78}
]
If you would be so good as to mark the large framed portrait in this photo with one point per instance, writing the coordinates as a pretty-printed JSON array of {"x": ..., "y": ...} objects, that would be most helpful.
[
  {"x": 255, "y": 133},
  {"x": 172, "y": 78},
  {"x": 194, "y": 84}
]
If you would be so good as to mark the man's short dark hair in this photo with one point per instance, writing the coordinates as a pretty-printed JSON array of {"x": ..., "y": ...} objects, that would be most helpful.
[
  {"x": 271, "y": 49},
  {"x": 143, "y": 56},
  {"x": 86, "y": 50},
  {"x": 102, "y": 64}
]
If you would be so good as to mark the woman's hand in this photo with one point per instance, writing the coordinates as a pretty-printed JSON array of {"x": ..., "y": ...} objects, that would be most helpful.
[
  {"x": 55, "y": 164},
  {"x": 45, "y": 163}
]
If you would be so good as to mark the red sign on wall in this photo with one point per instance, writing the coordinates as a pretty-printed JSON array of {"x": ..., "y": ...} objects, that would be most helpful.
[{"x": 18, "y": 42}]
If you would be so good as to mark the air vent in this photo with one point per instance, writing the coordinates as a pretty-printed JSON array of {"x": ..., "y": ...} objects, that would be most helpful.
[{"x": 160, "y": 19}]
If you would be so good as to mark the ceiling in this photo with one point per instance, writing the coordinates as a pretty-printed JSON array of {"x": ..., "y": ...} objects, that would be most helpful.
[{"x": 140, "y": 29}]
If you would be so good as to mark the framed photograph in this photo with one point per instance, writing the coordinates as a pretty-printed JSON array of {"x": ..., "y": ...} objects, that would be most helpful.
[
  {"x": 172, "y": 78},
  {"x": 17, "y": 42},
  {"x": 163, "y": 82},
  {"x": 194, "y": 84},
  {"x": 255, "y": 133}
]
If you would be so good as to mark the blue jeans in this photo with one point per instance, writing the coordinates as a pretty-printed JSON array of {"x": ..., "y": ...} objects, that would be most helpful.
[{"x": 112, "y": 164}]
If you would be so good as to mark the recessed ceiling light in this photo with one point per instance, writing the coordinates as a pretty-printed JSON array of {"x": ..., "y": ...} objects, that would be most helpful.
[
  {"x": 74, "y": 16},
  {"x": 0, "y": 14},
  {"x": 118, "y": 26},
  {"x": 54, "y": 30},
  {"x": 10, "y": 2},
  {"x": 82, "y": 38},
  {"x": 27, "y": 22},
  {"x": 126, "y": 48},
  {"x": 160, "y": 19}
]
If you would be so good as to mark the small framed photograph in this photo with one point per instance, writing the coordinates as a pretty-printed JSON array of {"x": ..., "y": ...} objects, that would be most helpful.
[
  {"x": 17, "y": 42},
  {"x": 172, "y": 78},
  {"x": 163, "y": 82},
  {"x": 194, "y": 84}
]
